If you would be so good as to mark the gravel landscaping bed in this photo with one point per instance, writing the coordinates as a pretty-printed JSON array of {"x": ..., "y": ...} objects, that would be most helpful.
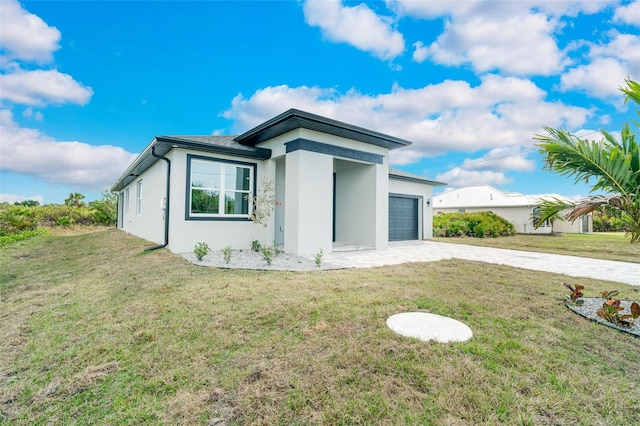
[
  {"x": 248, "y": 259},
  {"x": 592, "y": 304}
]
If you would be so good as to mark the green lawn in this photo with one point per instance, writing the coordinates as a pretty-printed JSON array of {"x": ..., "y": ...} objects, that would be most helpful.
[
  {"x": 95, "y": 331},
  {"x": 611, "y": 246}
]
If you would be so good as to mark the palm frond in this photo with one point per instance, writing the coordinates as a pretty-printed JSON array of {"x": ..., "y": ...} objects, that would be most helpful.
[
  {"x": 606, "y": 160},
  {"x": 628, "y": 204},
  {"x": 632, "y": 91},
  {"x": 549, "y": 210}
]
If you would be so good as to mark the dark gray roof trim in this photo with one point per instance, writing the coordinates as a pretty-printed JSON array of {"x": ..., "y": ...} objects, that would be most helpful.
[
  {"x": 335, "y": 151},
  {"x": 410, "y": 177},
  {"x": 164, "y": 144},
  {"x": 295, "y": 119}
]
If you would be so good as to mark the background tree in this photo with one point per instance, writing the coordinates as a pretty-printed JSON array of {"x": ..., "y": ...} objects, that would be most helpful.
[
  {"x": 27, "y": 203},
  {"x": 74, "y": 199},
  {"x": 104, "y": 211},
  {"x": 613, "y": 164}
]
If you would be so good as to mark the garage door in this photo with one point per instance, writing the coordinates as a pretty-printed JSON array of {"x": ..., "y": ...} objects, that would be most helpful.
[{"x": 403, "y": 218}]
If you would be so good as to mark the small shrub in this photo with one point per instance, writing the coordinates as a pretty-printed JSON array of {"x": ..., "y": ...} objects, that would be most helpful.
[
  {"x": 576, "y": 294},
  {"x": 277, "y": 249},
  {"x": 14, "y": 238},
  {"x": 608, "y": 295},
  {"x": 318, "y": 258},
  {"x": 256, "y": 246},
  {"x": 16, "y": 219},
  {"x": 268, "y": 255},
  {"x": 201, "y": 250},
  {"x": 613, "y": 312},
  {"x": 226, "y": 252},
  {"x": 64, "y": 221},
  {"x": 477, "y": 225}
]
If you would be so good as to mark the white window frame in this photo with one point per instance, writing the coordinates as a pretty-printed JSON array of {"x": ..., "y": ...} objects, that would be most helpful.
[
  {"x": 127, "y": 201},
  {"x": 222, "y": 163},
  {"x": 536, "y": 213},
  {"x": 139, "y": 197}
]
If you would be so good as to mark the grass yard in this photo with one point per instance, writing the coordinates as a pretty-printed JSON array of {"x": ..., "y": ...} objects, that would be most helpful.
[
  {"x": 609, "y": 245},
  {"x": 95, "y": 331}
]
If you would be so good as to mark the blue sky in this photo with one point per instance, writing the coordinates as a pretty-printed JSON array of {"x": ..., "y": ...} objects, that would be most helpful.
[{"x": 86, "y": 85}]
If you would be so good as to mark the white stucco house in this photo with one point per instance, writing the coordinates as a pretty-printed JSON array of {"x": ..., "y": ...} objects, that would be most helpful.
[
  {"x": 517, "y": 208},
  {"x": 332, "y": 184}
]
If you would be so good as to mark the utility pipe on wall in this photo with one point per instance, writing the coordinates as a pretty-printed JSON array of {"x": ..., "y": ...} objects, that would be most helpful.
[{"x": 167, "y": 204}]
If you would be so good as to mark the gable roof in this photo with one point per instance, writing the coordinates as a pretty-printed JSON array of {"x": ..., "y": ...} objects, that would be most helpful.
[
  {"x": 410, "y": 177},
  {"x": 488, "y": 196},
  {"x": 295, "y": 119}
]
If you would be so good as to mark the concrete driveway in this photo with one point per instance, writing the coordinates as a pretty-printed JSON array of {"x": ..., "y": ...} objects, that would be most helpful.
[{"x": 427, "y": 251}]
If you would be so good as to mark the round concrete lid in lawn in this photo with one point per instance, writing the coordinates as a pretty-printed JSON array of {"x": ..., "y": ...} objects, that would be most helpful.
[{"x": 424, "y": 326}]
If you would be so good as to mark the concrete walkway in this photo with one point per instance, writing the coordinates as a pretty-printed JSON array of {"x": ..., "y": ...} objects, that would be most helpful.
[{"x": 429, "y": 251}]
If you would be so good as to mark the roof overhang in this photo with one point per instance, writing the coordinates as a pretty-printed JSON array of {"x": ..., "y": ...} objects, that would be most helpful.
[
  {"x": 410, "y": 177},
  {"x": 161, "y": 145},
  {"x": 296, "y": 119}
]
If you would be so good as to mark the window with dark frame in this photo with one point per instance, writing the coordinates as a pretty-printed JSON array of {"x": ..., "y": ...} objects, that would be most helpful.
[
  {"x": 139, "y": 198},
  {"x": 219, "y": 188}
]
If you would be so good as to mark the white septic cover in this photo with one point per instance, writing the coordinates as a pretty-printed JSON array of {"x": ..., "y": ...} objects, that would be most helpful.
[{"x": 424, "y": 326}]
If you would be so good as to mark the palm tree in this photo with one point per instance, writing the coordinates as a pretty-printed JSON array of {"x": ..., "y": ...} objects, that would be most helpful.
[
  {"x": 613, "y": 164},
  {"x": 74, "y": 200}
]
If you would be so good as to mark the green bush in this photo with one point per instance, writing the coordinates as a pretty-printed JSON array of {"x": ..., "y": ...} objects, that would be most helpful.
[
  {"x": 28, "y": 216},
  {"x": 15, "y": 219},
  {"x": 201, "y": 249},
  {"x": 104, "y": 211},
  {"x": 478, "y": 225},
  {"x": 603, "y": 222},
  {"x": 23, "y": 235}
]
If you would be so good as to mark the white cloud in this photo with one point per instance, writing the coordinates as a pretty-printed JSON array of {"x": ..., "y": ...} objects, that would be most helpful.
[
  {"x": 435, "y": 9},
  {"x": 432, "y": 9},
  {"x": 513, "y": 37},
  {"x": 446, "y": 117},
  {"x": 629, "y": 14},
  {"x": 458, "y": 177},
  {"x": 610, "y": 64},
  {"x": 624, "y": 47},
  {"x": 25, "y": 36},
  {"x": 29, "y": 113},
  {"x": 29, "y": 152},
  {"x": 502, "y": 159},
  {"x": 13, "y": 198},
  {"x": 358, "y": 26},
  {"x": 42, "y": 87},
  {"x": 420, "y": 52},
  {"x": 489, "y": 169},
  {"x": 600, "y": 78},
  {"x": 498, "y": 42}
]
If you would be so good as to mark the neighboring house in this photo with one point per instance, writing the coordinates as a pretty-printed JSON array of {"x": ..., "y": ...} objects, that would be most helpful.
[
  {"x": 331, "y": 184},
  {"x": 517, "y": 208}
]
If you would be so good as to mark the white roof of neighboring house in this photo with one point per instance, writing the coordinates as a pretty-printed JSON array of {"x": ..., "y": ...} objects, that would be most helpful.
[{"x": 488, "y": 196}]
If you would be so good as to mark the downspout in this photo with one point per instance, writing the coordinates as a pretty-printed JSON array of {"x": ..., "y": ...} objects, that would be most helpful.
[{"x": 166, "y": 208}]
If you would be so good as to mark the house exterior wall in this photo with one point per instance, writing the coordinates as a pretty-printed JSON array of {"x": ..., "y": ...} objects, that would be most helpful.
[
  {"x": 425, "y": 193},
  {"x": 218, "y": 234},
  {"x": 382, "y": 205},
  {"x": 309, "y": 210},
  {"x": 149, "y": 223},
  {"x": 281, "y": 200},
  {"x": 355, "y": 210}
]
